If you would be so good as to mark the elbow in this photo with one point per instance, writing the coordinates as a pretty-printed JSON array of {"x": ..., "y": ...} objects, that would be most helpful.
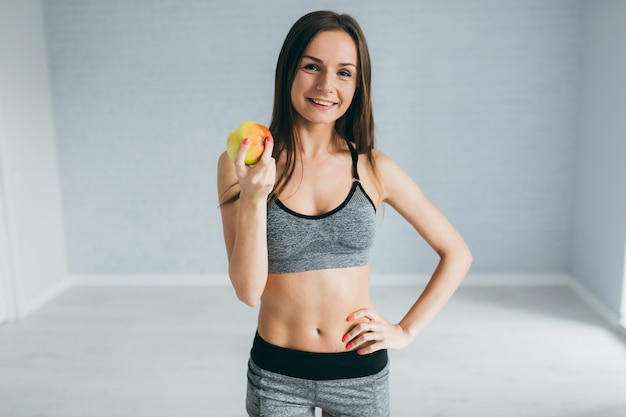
[
  {"x": 461, "y": 257},
  {"x": 249, "y": 285},
  {"x": 251, "y": 300},
  {"x": 247, "y": 294},
  {"x": 466, "y": 258}
]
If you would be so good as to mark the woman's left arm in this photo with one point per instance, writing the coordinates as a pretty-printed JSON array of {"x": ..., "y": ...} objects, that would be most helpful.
[{"x": 403, "y": 194}]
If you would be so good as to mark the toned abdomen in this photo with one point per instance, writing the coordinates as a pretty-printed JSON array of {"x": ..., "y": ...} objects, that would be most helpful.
[{"x": 308, "y": 310}]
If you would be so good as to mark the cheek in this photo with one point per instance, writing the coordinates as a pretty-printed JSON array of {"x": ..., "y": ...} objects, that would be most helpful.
[
  {"x": 293, "y": 96},
  {"x": 296, "y": 89},
  {"x": 348, "y": 95}
]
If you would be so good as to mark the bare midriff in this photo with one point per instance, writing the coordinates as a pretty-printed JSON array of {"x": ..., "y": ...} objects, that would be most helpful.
[{"x": 308, "y": 311}]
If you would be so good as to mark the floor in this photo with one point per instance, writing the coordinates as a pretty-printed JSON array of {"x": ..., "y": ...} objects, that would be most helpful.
[{"x": 182, "y": 351}]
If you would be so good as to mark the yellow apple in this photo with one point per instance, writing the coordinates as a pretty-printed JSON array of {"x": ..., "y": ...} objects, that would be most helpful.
[{"x": 256, "y": 133}]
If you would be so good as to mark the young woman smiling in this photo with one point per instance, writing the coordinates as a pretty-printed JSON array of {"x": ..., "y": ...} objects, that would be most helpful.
[{"x": 299, "y": 226}]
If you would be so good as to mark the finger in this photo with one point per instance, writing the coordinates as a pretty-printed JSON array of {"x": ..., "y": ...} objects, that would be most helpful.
[
  {"x": 360, "y": 326},
  {"x": 362, "y": 313},
  {"x": 269, "y": 148},
  {"x": 371, "y": 326},
  {"x": 370, "y": 349},
  {"x": 364, "y": 340},
  {"x": 357, "y": 335},
  {"x": 241, "y": 153}
]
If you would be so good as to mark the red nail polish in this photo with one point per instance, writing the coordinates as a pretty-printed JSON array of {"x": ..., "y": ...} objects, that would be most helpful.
[
  {"x": 359, "y": 352},
  {"x": 269, "y": 138},
  {"x": 350, "y": 317},
  {"x": 348, "y": 346},
  {"x": 345, "y": 339},
  {"x": 246, "y": 141}
]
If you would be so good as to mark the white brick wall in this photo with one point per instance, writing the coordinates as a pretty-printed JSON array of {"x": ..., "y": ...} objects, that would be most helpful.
[
  {"x": 599, "y": 232},
  {"x": 476, "y": 99}
]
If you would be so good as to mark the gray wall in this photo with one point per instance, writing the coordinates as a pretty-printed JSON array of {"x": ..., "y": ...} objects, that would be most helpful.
[
  {"x": 599, "y": 232},
  {"x": 476, "y": 100}
]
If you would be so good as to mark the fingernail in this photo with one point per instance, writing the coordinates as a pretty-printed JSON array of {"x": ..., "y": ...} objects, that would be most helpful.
[
  {"x": 359, "y": 352},
  {"x": 269, "y": 138},
  {"x": 246, "y": 141},
  {"x": 348, "y": 346},
  {"x": 345, "y": 339},
  {"x": 350, "y": 317}
]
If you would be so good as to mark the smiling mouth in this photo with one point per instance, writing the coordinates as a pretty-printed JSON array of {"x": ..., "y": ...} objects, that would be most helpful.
[{"x": 321, "y": 102}]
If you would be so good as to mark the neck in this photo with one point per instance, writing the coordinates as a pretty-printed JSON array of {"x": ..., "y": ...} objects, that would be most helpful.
[{"x": 316, "y": 139}]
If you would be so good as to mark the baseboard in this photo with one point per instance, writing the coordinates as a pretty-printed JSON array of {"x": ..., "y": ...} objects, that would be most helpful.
[
  {"x": 612, "y": 319},
  {"x": 377, "y": 279},
  {"x": 28, "y": 308},
  {"x": 212, "y": 280},
  {"x": 475, "y": 280},
  {"x": 160, "y": 280}
]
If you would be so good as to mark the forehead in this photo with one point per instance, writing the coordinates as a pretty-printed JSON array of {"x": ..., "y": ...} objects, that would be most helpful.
[{"x": 333, "y": 46}]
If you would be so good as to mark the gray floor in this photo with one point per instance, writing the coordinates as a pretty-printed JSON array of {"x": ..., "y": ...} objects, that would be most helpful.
[{"x": 163, "y": 351}]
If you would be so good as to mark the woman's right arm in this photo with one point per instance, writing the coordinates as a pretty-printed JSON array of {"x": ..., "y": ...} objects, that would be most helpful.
[{"x": 244, "y": 219}]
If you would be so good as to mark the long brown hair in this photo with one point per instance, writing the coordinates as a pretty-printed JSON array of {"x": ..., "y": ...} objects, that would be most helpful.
[{"x": 356, "y": 125}]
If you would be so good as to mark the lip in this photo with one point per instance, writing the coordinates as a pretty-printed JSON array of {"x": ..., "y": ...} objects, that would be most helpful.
[{"x": 321, "y": 103}]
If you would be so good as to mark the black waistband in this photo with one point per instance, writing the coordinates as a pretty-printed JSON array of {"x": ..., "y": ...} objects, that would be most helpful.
[{"x": 313, "y": 365}]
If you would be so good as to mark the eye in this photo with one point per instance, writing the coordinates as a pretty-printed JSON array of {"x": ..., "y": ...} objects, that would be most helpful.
[
  {"x": 311, "y": 67},
  {"x": 344, "y": 73}
]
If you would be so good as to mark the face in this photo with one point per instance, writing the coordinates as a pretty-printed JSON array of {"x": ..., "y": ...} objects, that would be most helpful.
[{"x": 326, "y": 79}]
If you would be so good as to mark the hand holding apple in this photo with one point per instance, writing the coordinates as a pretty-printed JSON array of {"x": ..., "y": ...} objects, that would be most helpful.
[{"x": 256, "y": 133}]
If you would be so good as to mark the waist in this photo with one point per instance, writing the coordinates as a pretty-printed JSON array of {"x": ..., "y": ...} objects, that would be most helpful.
[
  {"x": 315, "y": 365},
  {"x": 308, "y": 311}
]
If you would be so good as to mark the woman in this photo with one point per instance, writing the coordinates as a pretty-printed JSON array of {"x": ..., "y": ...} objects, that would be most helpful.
[{"x": 299, "y": 225}]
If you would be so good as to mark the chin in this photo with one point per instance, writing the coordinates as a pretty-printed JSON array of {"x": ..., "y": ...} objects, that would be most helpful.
[{"x": 321, "y": 118}]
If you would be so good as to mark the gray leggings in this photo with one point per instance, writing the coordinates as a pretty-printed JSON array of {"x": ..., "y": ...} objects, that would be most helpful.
[{"x": 275, "y": 395}]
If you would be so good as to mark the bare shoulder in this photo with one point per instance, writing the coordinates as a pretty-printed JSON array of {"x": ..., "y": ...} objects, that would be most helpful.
[
  {"x": 385, "y": 164},
  {"x": 393, "y": 179},
  {"x": 224, "y": 163},
  {"x": 225, "y": 169}
]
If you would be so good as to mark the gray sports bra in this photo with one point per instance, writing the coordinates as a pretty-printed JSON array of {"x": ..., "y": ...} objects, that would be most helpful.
[{"x": 341, "y": 238}]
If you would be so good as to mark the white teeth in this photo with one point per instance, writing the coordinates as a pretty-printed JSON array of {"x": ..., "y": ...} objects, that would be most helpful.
[{"x": 322, "y": 103}]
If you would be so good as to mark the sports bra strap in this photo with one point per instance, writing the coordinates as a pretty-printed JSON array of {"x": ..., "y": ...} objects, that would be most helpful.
[{"x": 355, "y": 160}]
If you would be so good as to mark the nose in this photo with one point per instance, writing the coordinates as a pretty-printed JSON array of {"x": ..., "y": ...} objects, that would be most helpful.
[{"x": 324, "y": 82}]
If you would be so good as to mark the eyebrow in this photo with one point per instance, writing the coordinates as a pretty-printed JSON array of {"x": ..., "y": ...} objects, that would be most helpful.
[{"x": 342, "y": 64}]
